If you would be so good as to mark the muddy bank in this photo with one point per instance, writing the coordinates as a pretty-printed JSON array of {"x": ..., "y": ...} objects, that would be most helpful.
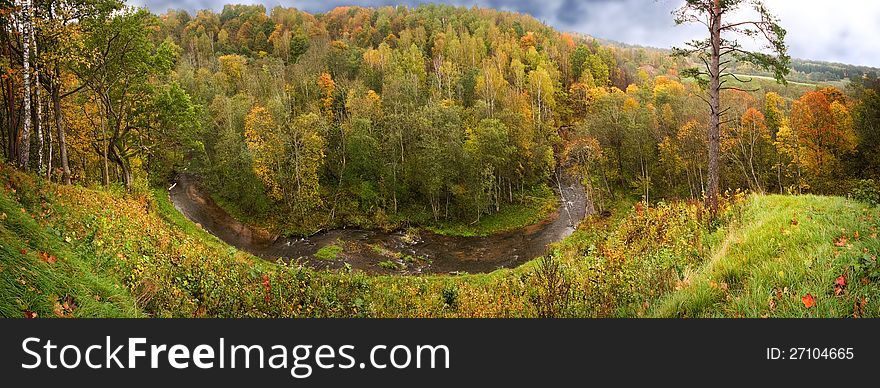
[{"x": 380, "y": 252}]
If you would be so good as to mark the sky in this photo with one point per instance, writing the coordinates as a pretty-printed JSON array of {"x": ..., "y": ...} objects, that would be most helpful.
[{"x": 845, "y": 31}]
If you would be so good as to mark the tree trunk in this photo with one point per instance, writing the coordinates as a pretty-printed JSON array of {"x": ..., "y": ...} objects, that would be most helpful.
[
  {"x": 59, "y": 128},
  {"x": 105, "y": 171},
  {"x": 38, "y": 103},
  {"x": 122, "y": 166},
  {"x": 24, "y": 139},
  {"x": 49, "y": 154},
  {"x": 11, "y": 122},
  {"x": 715, "y": 107}
]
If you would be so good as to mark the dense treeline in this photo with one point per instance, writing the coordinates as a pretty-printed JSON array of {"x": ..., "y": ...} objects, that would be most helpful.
[
  {"x": 369, "y": 111},
  {"x": 372, "y": 116}
]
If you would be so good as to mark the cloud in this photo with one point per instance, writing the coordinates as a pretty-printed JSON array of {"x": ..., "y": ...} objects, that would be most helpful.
[{"x": 838, "y": 31}]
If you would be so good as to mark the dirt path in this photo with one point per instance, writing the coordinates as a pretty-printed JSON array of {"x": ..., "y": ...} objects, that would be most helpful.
[{"x": 397, "y": 252}]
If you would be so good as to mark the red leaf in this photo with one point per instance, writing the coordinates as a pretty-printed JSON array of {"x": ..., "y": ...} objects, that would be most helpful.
[
  {"x": 29, "y": 314},
  {"x": 840, "y": 281},
  {"x": 808, "y": 300},
  {"x": 840, "y": 241}
]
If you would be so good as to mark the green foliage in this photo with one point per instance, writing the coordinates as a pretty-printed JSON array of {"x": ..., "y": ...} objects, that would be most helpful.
[
  {"x": 449, "y": 296},
  {"x": 866, "y": 190},
  {"x": 390, "y": 265}
]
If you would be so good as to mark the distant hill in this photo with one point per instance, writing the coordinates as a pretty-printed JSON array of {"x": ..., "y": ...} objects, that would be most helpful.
[{"x": 806, "y": 71}]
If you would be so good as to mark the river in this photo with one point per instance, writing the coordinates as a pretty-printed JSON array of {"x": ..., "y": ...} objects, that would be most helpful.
[{"x": 398, "y": 252}]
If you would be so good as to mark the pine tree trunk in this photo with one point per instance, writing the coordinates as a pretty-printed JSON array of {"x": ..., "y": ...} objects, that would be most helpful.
[{"x": 715, "y": 106}]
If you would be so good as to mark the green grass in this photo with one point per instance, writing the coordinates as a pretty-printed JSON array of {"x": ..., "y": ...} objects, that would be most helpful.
[
  {"x": 534, "y": 208},
  {"x": 389, "y": 265},
  {"x": 782, "y": 249},
  {"x": 329, "y": 252},
  {"x": 78, "y": 279},
  {"x": 176, "y": 219}
]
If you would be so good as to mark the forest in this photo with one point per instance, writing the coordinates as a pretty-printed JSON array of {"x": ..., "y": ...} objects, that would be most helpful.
[
  {"x": 434, "y": 117},
  {"x": 343, "y": 113}
]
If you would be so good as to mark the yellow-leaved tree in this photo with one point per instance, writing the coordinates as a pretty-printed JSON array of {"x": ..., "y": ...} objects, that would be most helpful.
[
  {"x": 265, "y": 145},
  {"x": 287, "y": 158}
]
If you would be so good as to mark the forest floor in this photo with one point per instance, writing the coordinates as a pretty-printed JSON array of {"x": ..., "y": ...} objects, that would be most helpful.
[{"x": 68, "y": 251}]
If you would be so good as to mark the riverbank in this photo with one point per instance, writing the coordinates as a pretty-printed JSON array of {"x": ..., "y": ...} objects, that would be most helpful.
[
  {"x": 528, "y": 208},
  {"x": 399, "y": 252}
]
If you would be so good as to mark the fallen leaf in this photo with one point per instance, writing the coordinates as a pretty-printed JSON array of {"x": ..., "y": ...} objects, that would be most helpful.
[
  {"x": 22, "y": 251},
  {"x": 859, "y": 308},
  {"x": 58, "y": 310},
  {"x": 48, "y": 258},
  {"x": 856, "y": 235},
  {"x": 794, "y": 221},
  {"x": 840, "y": 241},
  {"x": 808, "y": 300},
  {"x": 778, "y": 294},
  {"x": 29, "y": 314}
]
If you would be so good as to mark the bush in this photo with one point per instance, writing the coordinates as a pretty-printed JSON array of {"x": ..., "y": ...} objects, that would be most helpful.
[
  {"x": 866, "y": 190},
  {"x": 552, "y": 286},
  {"x": 449, "y": 295}
]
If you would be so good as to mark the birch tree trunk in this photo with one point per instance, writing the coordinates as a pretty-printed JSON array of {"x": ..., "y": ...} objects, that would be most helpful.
[
  {"x": 24, "y": 139},
  {"x": 38, "y": 101}
]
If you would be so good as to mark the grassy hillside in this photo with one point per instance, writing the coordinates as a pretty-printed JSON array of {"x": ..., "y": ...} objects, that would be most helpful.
[
  {"x": 782, "y": 250},
  {"x": 75, "y": 252}
]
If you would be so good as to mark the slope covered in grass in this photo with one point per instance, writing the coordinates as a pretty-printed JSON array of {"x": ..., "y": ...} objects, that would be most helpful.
[
  {"x": 68, "y": 251},
  {"x": 784, "y": 254}
]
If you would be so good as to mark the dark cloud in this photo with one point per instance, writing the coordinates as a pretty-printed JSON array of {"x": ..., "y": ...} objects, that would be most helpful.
[{"x": 814, "y": 31}]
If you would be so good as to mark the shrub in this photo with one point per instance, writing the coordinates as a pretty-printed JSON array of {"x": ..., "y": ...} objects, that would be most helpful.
[
  {"x": 449, "y": 296},
  {"x": 866, "y": 190}
]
